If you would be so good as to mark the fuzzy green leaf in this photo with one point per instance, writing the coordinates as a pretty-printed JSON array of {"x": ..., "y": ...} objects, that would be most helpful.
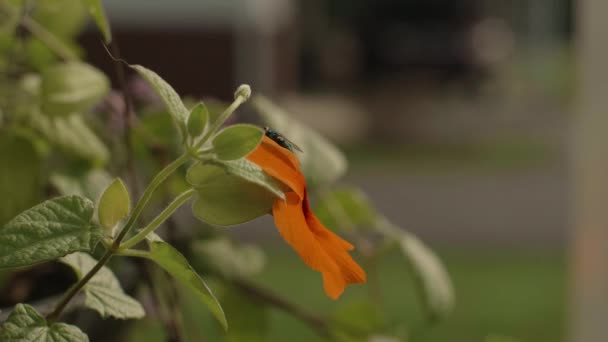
[
  {"x": 89, "y": 185},
  {"x": 241, "y": 168},
  {"x": 229, "y": 259},
  {"x": 25, "y": 324},
  {"x": 50, "y": 230},
  {"x": 114, "y": 205},
  {"x": 236, "y": 141},
  {"x": 103, "y": 292},
  {"x": 172, "y": 261},
  {"x": 72, "y": 87},
  {"x": 429, "y": 272},
  {"x": 225, "y": 199},
  {"x": 198, "y": 119},
  {"x": 72, "y": 135},
  {"x": 20, "y": 176},
  {"x": 96, "y": 10},
  {"x": 174, "y": 103},
  {"x": 322, "y": 161}
]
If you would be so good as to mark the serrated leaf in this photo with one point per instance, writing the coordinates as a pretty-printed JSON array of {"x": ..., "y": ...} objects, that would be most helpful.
[
  {"x": 114, "y": 205},
  {"x": 25, "y": 324},
  {"x": 229, "y": 259},
  {"x": 322, "y": 161},
  {"x": 174, "y": 103},
  {"x": 172, "y": 261},
  {"x": 103, "y": 292},
  {"x": 20, "y": 176},
  {"x": 429, "y": 272},
  {"x": 236, "y": 141},
  {"x": 72, "y": 135},
  {"x": 50, "y": 230},
  {"x": 346, "y": 208},
  {"x": 225, "y": 199},
  {"x": 72, "y": 87},
  {"x": 197, "y": 121},
  {"x": 96, "y": 10}
]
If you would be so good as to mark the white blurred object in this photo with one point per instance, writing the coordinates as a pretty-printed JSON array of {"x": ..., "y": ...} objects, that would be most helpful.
[{"x": 335, "y": 116}]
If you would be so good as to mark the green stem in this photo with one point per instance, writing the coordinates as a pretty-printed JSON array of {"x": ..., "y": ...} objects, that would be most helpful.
[
  {"x": 239, "y": 100},
  {"x": 48, "y": 38},
  {"x": 242, "y": 95},
  {"x": 134, "y": 253},
  {"x": 145, "y": 197},
  {"x": 164, "y": 215},
  {"x": 52, "y": 317}
]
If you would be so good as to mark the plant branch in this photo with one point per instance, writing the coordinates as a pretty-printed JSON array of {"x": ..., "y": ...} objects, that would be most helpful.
[
  {"x": 127, "y": 115},
  {"x": 317, "y": 323},
  {"x": 48, "y": 38},
  {"x": 52, "y": 317},
  {"x": 164, "y": 215},
  {"x": 145, "y": 197}
]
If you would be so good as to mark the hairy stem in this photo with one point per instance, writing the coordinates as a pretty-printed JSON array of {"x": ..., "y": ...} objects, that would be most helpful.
[
  {"x": 145, "y": 197},
  {"x": 162, "y": 217},
  {"x": 52, "y": 317}
]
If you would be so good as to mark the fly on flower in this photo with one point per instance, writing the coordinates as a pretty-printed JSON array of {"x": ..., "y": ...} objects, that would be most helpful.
[
  {"x": 320, "y": 248},
  {"x": 281, "y": 140}
]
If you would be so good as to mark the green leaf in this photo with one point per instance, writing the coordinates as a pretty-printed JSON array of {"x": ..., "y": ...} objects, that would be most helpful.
[
  {"x": 114, "y": 205},
  {"x": 89, "y": 185},
  {"x": 346, "y": 208},
  {"x": 236, "y": 141},
  {"x": 20, "y": 175},
  {"x": 25, "y": 324},
  {"x": 72, "y": 87},
  {"x": 229, "y": 259},
  {"x": 96, "y": 10},
  {"x": 64, "y": 18},
  {"x": 429, "y": 273},
  {"x": 174, "y": 103},
  {"x": 172, "y": 261},
  {"x": 225, "y": 199},
  {"x": 50, "y": 230},
  {"x": 242, "y": 168},
  {"x": 322, "y": 162},
  {"x": 103, "y": 292},
  {"x": 72, "y": 135},
  {"x": 197, "y": 121}
]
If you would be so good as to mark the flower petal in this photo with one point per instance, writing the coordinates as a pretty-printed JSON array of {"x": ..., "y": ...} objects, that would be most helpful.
[
  {"x": 318, "y": 247},
  {"x": 279, "y": 163}
]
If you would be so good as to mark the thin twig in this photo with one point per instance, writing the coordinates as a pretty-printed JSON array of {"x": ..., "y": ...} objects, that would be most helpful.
[
  {"x": 317, "y": 323},
  {"x": 127, "y": 115}
]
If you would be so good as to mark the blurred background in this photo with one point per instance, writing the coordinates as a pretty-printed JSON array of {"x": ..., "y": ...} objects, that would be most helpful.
[{"x": 455, "y": 116}]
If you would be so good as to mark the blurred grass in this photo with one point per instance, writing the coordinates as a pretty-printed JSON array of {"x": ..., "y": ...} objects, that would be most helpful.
[
  {"x": 499, "y": 155},
  {"x": 511, "y": 293}
]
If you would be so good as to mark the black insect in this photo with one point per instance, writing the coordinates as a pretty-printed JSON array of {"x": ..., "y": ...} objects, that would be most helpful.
[{"x": 281, "y": 140}]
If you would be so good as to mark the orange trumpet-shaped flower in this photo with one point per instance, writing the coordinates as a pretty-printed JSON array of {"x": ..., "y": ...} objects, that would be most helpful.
[{"x": 319, "y": 248}]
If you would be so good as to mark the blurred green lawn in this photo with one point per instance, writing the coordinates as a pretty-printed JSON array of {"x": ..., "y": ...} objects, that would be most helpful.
[{"x": 499, "y": 292}]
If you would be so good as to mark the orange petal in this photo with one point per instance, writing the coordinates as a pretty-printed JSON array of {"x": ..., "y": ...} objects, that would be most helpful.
[
  {"x": 280, "y": 163},
  {"x": 291, "y": 223},
  {"x": 318, "y": 247}
]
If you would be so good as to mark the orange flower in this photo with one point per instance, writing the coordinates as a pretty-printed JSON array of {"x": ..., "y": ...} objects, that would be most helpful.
[{"x": 319, "y": 248}]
